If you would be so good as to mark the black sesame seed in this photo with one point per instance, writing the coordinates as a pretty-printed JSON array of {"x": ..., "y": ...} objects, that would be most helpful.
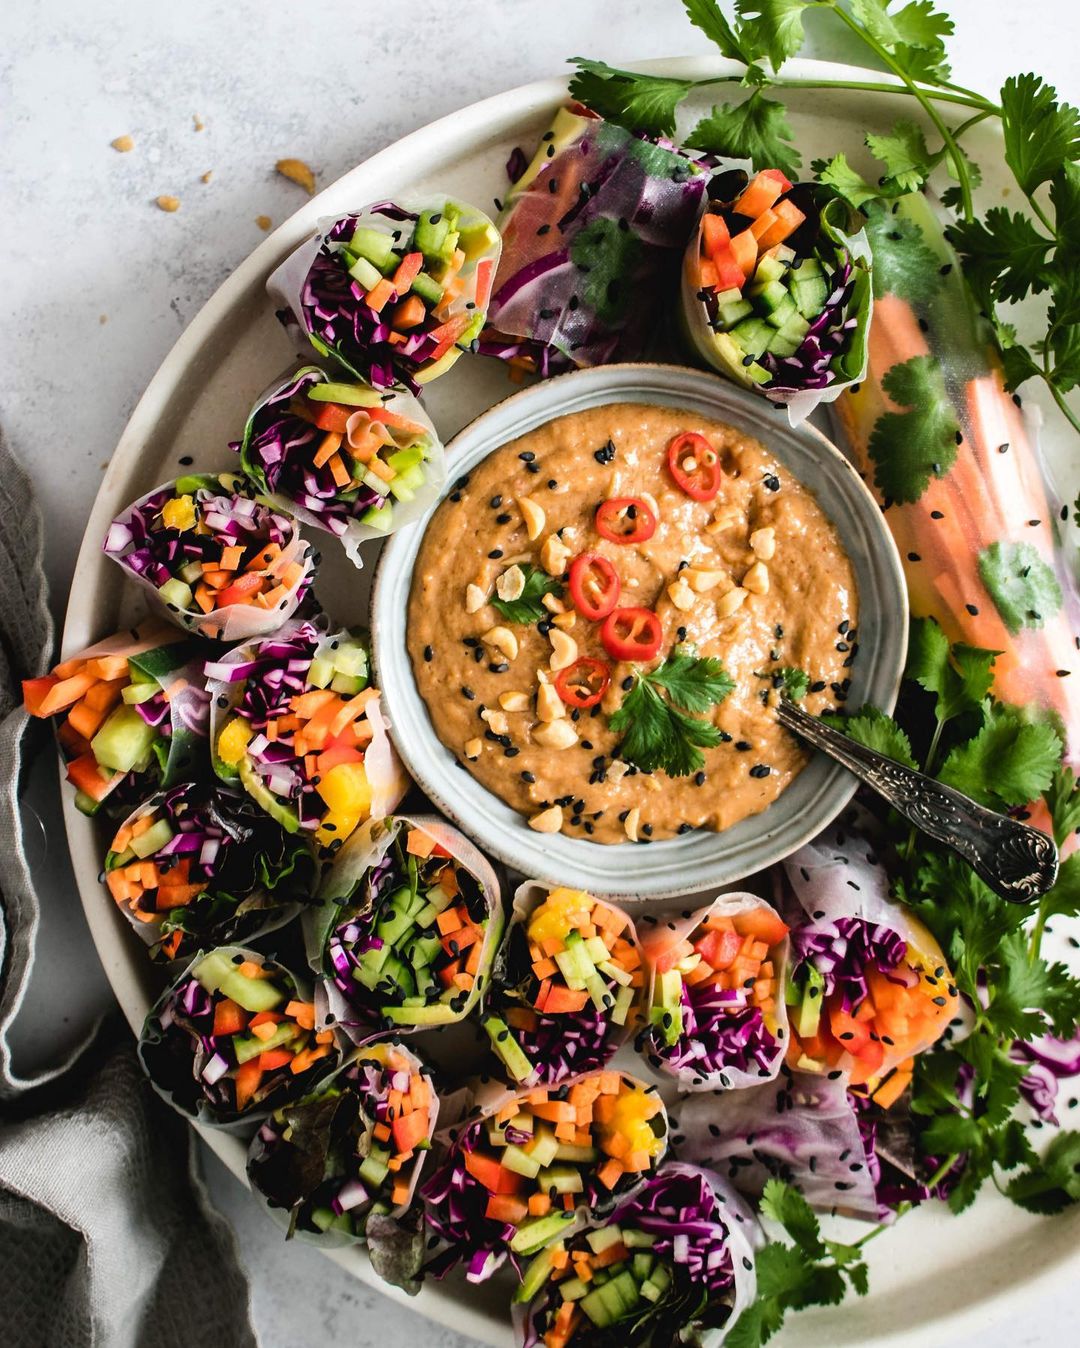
[{"x": 429, "y": 654}]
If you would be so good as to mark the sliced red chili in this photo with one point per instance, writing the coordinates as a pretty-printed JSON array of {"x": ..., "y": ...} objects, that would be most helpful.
[
  {"x": 625, "y": 519},
  {"x": 594, "y": 586},
  {"x": 632, "y": 634},
  {"x": 695, "y": 466},
  {"x": 583, "y": 683}
]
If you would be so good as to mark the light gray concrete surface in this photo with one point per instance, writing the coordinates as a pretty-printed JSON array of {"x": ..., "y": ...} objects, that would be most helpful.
[{"x": 97, "y": 284}]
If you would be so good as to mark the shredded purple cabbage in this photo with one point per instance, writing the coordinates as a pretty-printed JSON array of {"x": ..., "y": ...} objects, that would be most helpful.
[
  {"x": 843, "y": 950},
  {"x": 719, "y": 1031},
  {"x": 1049, "y": 1061},
  {"x": 565, "y": 1046}
]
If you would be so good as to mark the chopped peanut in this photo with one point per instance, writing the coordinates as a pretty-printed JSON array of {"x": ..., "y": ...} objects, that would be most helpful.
[
  {"x": 510, "y": 584},
  {"x": 547, "y": 821},
  {"x": 549, "y": 705},
  {"x": 681, "y": 595},
  {"x": 727, "y": 604},
  {"x": 297, "y": 172},
  {"x": 475, "y": 598},
  {"x": 474, "y": 748},
  {"x": 514, "y": 701},
  {"x": 554, "y": 554},
  {"x": 503, "y": 640},
  {"x": 533, "y": 515},
  {"x": 564, "y": 649},
  {"x": 555, "y": 734},
  {"x": 630, "y": 824},
  {"x": 763, "y": 543},
  {"x": 756, "y": 579}
]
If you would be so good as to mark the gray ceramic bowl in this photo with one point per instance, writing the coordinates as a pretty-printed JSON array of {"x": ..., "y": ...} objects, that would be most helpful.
[{"x": 698, "y": 860}]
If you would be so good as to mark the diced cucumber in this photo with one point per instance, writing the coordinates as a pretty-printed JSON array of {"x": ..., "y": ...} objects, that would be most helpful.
[
  {"x": 731, "y": 296},
  {"x": 624, "y": 1000},
  {"x": 86, "y": 804},
  {"x": 152, "y": 839},
  {"x": 350, "y": 658},
  {"x": 475, "y": 239},
  {"x": 403, "y": 459},
  {"x": 808, "y": 1017},
  {"x": 351, "y": 395},
  {"x": 520, "y": 1162},
  {"x": 769, "y": 269},
  {"x": 634, "y": 1239},
  {"x": 432, "y": 234},
  {"x": 569, "y": 1151},
  {"x": 424, "y": 950},
  {"x": 191, "y": 572},
  {"x": 727, "y": 315},
  {"x": 378, "y": 517},
  {"x": 809, "y": 293},
  {"x": 573, "y": 1289},
  {"x": 365, "y": 273},
  {"x": 603, "y": 1238},
  {"x": 641, "y": 1265},
  {"x": 249, "y": 1046},
  {"x": 535, "y": 1276},
  {"x": 176, "y": 594},
  {"x": 564, "y": 1179},
  {"x": 405, "y": 486},
  {"x": 320, "y": 672},
  {"x": 544, "y": 1147},
  {"x": 373, "y": 1170},
  {"x": 123, "y": 740},
  {"x": 505, "y": 1046},
  {"x": 375, "y": 482},
  {"x": 752, "y": 334},
  {"x": 375, "y": 246},
  {"x": 427, "y": 288},
  {"x": 140, "y": 690},
  {"x": 534, "y": 1235},
  {"x": 781, "y": 311},
  {"x": 347, "y": 684},
  {"x": 781, "y": 345}
]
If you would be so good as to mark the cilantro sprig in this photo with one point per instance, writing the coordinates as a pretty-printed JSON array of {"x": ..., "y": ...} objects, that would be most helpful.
[
  {"x": 666, "y": 733},
  {"x": 1008, "y": 254},
  {"x": 528, "y": 607}
]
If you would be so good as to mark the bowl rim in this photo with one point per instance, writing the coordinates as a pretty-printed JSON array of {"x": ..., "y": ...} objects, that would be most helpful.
[{"x": 417, "y": 741}]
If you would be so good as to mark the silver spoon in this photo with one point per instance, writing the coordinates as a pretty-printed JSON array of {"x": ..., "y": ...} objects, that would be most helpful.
[{"x": 1017, "y": 861}]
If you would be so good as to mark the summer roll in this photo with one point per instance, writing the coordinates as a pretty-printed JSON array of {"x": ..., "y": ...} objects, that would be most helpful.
[
  {"x": 529, "y": 1167},
  {"x": 342, "y": 456},
  {"x": 131, "y": 714},
  {"x": 409, "y": 923},
  {"x": 234, "y": 1038},
  {"x": 330, "y": 1165},
  {"x": 296, "y": 723},
  {"x": 199, "y": 866},
  {"x": 592, "y": 232},
  {"x": 393, "y": 293},
  {"x": 568, "y": 986},
  {"x": 675, "y": 1263},
  {"x": 217, "y": 559},
  {"x": 716, "y": 1011},
  {"x": 776, "y": 289}
]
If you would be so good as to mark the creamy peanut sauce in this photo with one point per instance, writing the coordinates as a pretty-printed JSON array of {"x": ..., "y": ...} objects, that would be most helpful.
[{"x": 806, "y": 618}]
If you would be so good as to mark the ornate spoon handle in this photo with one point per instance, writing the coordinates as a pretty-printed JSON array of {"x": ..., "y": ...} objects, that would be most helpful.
[{"x": 1016, "y": 861}]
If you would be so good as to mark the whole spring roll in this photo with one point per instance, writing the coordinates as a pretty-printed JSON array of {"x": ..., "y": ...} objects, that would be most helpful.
[
  {"x": 393, "y": 292},
  {"x": 716, "y": 1011},
  {"x": 407, "y": 930},
  {"x": 529, "y": 1167},
  {"x": 676, "y": 1264},
  {"x": 220, "y": 561},
  {"x": 131, "y": 714},
  {"x": 350, "y": 1151},
  {"x": 870, "y": 987},
  {"x": 296, "y": 723},
  {"x": 592, "y": 232},
  {"x": 234, "y": 1038},
  {"x": 803, "y": 1128},
  {"x": 956, "y": 467},
  {"x": 342, "y": 457},
  {"x": 197, "y": 866},
  {"x": 568, "y": 987},
  {"x": 776, "y": 289}
]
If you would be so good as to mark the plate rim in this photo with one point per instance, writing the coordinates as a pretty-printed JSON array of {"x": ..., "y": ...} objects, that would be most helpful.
[
  {"x": 399, "y": 554},
  {"x": 107, "y": 927}
]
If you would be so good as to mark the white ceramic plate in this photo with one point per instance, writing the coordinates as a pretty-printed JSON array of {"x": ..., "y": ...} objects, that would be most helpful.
[
  {"x": 935, "y": 1279},
  {"x": 701, "y": 859}
]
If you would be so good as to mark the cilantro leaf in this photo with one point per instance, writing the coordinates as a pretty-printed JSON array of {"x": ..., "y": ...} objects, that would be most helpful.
[
  {"x": 1004, "y": 253},
  {"x": 1024, "y": 589},
  {"x": 903, "y": 263},
  {"x": 917, "y": 25},
  {"x": 693, "y": 684},
  {"x": 1063, "y": 801},
  {"x": 907, "y": 160},
  {"x": 796, "y": 682},
  {"x": 732, "y": 39},
  {"x": 873, "y": 729},
  {"x": 1009, "y": 762},
  {"x": 1065, "y": 199},
  {"x": 1021, "y": 987},
  {"x": 1041, "y": 134},
  {"x": 845, "y": 181},
  {"x": 638, "y": 102},
  {"x": 786, "y": 1205},
  {"x": 605, "y": 253},
  {"x": 757, "y": 129},
  {"x": 527, "y": 607},
  {"x": 774, "y": 26},
  {"x": 908, "y": 448},
  {"x": 1053, "y": 1183},
  {"x": 959, "y": 676}
]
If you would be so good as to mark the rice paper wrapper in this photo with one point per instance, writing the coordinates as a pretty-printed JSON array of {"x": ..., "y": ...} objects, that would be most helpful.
[
  {"x": 592, "y": 230},
  {"x": 839, "y": 876},
  {"x": 802, "y": 1129},
  {"x": 478, "y": 1242},
  {"x": 256, "y": 875},
  {"x": 137, "y": 537},
  {"x": 345, "y": 879},
  {"x": 174, "y": 1051},
  {"x": 555, "y": 1054},
  {"x": 179, "y": 709},
  {"x": 715, "y": 1246},
  {"x": 298, "y": 640},
  {"x": 833, "y": 354},
  {"x": 322, "y": 307},
  {"x": 330, "y": 1133},
  {"x": 660, "y": 940},
  {"x": 278, "y": 449},
  {"x": 978, "y": 524}
]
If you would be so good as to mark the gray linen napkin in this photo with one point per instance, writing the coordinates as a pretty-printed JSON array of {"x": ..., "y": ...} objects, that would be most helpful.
[{"x": 106, "y": 1236}]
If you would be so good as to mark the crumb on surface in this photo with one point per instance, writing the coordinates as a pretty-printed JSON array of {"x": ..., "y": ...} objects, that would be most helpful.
[
  {"x": 123, "y": 144},
  {"x": 200, "y": 125},
  {"x": 264, "y": 222},
  {"x": 207, "y": 176},
  {"x": 167, "y": 203},
  {"x": 297, "y": 172},
  {"x": 103, "y": 318}
]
